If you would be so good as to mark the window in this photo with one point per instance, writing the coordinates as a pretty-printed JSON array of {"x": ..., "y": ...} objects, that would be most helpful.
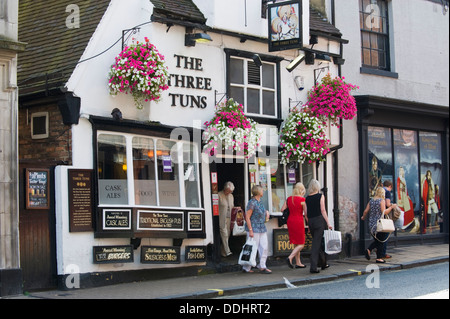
[
  {"x": 412, "y": 161},
  {"x": 254, "y": 87},
  {"x": 39, "y": 125},
  {"x": 374, "y": 34},
  {"x": 163, "y": 173}
]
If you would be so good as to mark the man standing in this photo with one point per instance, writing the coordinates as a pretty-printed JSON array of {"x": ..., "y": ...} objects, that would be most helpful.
[{"x": 226, "y": 204}]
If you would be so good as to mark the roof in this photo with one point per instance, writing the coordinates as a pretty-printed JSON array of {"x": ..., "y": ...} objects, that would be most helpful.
[
  {"x": 53, "y": 49},
  {"x": 320, "y": 24},
  {"x": 179, "y": 10}
]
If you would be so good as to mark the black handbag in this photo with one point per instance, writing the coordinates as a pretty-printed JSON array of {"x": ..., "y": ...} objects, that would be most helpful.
[{"x": 283, "y": 218}]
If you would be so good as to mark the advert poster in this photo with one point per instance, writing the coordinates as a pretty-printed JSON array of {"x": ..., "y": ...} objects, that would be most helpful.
[{"x": 285, "y": 22}]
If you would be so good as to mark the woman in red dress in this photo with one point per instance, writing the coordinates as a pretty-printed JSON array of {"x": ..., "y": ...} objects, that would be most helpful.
[{"x": 295, "y": 223}]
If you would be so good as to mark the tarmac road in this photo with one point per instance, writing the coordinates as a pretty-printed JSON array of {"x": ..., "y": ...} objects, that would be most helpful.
[{"x": 429, "y": 282}]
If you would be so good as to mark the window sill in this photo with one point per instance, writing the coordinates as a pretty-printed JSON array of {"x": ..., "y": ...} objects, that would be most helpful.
[{"x": 389, "y": 74}]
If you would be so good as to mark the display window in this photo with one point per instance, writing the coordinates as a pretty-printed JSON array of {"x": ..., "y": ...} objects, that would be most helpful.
[{"x": 412, "y": 161}]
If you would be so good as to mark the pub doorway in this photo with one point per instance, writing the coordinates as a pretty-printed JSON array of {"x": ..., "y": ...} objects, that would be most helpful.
[
  {"x": 235, "y": 173},
  {"x": 37, "y": 226}
]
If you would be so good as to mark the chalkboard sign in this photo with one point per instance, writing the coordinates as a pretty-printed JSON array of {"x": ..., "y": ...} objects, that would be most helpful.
[
  {"x": 281, "y": 244},
  {"x": 160, "y": 255},
  {"x": 195, "y": 253},
  {"x": 195, "y": 221},
  {"x": 113, "y": 254},
  {"x": 37, "y": 188},
  {"x": 116, "y": 219}
]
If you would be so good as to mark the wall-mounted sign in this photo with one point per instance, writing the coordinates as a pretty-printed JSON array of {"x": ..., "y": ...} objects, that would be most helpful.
[
  {"x": 37, "y": 188},
  {"x": 193, "y": 82},
  {"x": 80, "y": 199},
  {"x": 285, "y": 25},
  {"x": 160, "y": 255},
  {"x": 116, "y": 219},
  {"x": 195, "y": 253},
  {"x": 281, "y": 244},
  {"x": 113, "y": 254},
  {"x": 195, "y": 221},
  {"x": 160, "y": 220}
]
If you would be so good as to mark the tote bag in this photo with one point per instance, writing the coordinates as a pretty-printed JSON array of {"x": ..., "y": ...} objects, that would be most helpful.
[
  {"x": 333, "y": 241},
  {"x": 248, "y": 253}
]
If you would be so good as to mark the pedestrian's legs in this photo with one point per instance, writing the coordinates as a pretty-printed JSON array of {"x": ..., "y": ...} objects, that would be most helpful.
[
  {"x": 316, "y": 229},
  {"x": 262, "y": 250},
  {"x": 380, "y": 245},
  {"x": 224, "y": 224}
]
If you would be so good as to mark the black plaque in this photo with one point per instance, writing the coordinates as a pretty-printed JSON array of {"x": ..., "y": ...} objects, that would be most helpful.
[
  {"x": 116, "y": 219},
  {"x": 80, "y": 200},
  {"x": 160, "y": 220},
  {"x": 113, "y": 254},
  {"x": 195, "y": 253},
  {"x": 160, "y": 255},
  {"x": 281, "y": 244},
  {"x": 195, "y": 221}
]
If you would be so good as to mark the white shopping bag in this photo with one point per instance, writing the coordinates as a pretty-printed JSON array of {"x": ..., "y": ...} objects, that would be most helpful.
[
  {"x": 248, "y": 253},
  {"x": 333, "y": 241}
]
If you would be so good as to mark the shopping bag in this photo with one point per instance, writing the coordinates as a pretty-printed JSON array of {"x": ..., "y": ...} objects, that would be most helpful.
[
  {"x": 333, "y": 241},
  {"x": 237, "y": 222},
  {"x": 248, "y": 253}
]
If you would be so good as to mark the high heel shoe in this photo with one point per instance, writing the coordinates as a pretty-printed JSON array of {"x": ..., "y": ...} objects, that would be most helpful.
[
  {"x": 289, "y": 263},
  {"x": 300, "y": 266}
]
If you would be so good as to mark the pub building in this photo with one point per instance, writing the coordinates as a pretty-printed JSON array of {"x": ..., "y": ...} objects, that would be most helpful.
[{"x": 112, "y": 193}]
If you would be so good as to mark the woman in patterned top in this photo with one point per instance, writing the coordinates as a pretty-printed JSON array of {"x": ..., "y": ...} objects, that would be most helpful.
[
  {"x": 255, "y": 218},
  {"x": 376, "y": 207}
]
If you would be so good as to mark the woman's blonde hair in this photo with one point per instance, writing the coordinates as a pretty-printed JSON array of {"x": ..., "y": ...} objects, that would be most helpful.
[
  {"x": 299, "y": 190},
  {"x": 256, "y": 190},
  {"x": 380, "y": 192},
  {"x": 314, "y": 186}
]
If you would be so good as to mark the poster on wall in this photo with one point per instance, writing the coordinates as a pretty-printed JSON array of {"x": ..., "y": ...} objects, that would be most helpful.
[
  {"x": 37, "y": 188},
  {"x": 406, "y": 182},
  {"x": 380, "y": 157},
  {"x": 430, "y": 182},
  {"x": 284, "y": 25}
]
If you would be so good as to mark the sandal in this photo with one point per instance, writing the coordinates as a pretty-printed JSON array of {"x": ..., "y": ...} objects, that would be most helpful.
[
  {"x": 247, "y": 272},
  {"x": 300, "y": 266},
  {"x": 380, "y": 261},
  {"x": 266, "y": 271}
]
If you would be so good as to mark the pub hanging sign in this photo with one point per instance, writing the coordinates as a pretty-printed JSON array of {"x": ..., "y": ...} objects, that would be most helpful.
[{"x": 285, "y": 25}]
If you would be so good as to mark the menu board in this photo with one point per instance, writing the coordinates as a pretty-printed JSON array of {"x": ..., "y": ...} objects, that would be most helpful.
[
  {"x": 80, "y": 199},
  {"x": 113, "y": 254},
  {"x": 37, "y": 188},
  {"x": 160, "y": 255},
  {"x": 195, "y": 253}
]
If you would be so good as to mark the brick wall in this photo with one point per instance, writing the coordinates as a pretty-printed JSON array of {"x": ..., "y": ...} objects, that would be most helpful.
[{"x": 56, "y": 148}]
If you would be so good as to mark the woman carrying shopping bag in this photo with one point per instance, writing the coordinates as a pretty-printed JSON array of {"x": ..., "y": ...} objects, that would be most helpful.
[
  {"x": 317, "y": 222},
  {"x": 376, "y": 208},
  {"x": 296, "y": 224},
  {"x": 255, "y": 218}
]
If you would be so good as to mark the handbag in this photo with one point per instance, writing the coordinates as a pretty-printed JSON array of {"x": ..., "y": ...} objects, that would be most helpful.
[
  {"x": 385, "y": 225},
  {"x": 238, "y": 222},
  {"x": 248, "y": 253},
  {"x": 283, "y": 218},
  {"x": 333, "y": 241}
]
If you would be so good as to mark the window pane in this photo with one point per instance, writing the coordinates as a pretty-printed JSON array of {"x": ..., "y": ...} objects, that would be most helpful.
[
  {"x": 168, "y": 182},
  {"x": 365, "y": 39},
  {"x": 112, "y": 169},
  {"x": 191, "y": 182},
  {"x": 144, "y": 171},
  {"x": 253, "y": 73},
  {"x": 237, "y": 94},
  {"x": 278, "y": 190},
  {"x": 253, "y": 101},
  {"x": 380, "y": 157},
  {"x": 237, "y": 71},
  {"x": 366, "y": 56},
  {"x": 431, "y": 180},
  {"x": 268, "y": 73},
  {"x": 407, "y": 176},
  {"x": 268, "y": 103},
  {"x": 307, "y": 173}
]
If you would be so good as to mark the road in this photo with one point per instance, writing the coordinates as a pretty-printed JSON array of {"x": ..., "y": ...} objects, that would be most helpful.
[{"x": 427, "y": 282}]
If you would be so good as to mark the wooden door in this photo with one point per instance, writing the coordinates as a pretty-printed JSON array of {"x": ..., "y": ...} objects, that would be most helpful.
[{"x": 37, "y": 229}]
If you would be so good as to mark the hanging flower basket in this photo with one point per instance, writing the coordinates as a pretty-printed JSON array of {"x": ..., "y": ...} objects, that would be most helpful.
[
  {"x": 231, "y": 130},
  {"x": 332, "y": 100},
  {"x": 303, "y": 138},
  {"x": 140, "y": 71}
]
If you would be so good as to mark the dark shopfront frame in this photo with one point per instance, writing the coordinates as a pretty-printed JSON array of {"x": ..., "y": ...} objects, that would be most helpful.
[{"x": 399, "y": 114}]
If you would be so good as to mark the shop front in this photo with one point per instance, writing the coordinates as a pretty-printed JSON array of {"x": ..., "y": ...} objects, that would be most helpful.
[{"x": 410, "y": 151}]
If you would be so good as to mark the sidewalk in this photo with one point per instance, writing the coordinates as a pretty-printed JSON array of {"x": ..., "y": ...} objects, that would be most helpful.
[{"x": 226, "y": 284}]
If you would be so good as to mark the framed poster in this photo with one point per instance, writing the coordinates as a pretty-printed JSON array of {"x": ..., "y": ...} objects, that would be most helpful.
[
  {"x": 285, "y": 23},
  {"x": 37, "y": 188}
]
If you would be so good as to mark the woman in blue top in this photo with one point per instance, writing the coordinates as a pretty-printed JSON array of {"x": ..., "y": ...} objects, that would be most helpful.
[{"x": 255, "y": 218}]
